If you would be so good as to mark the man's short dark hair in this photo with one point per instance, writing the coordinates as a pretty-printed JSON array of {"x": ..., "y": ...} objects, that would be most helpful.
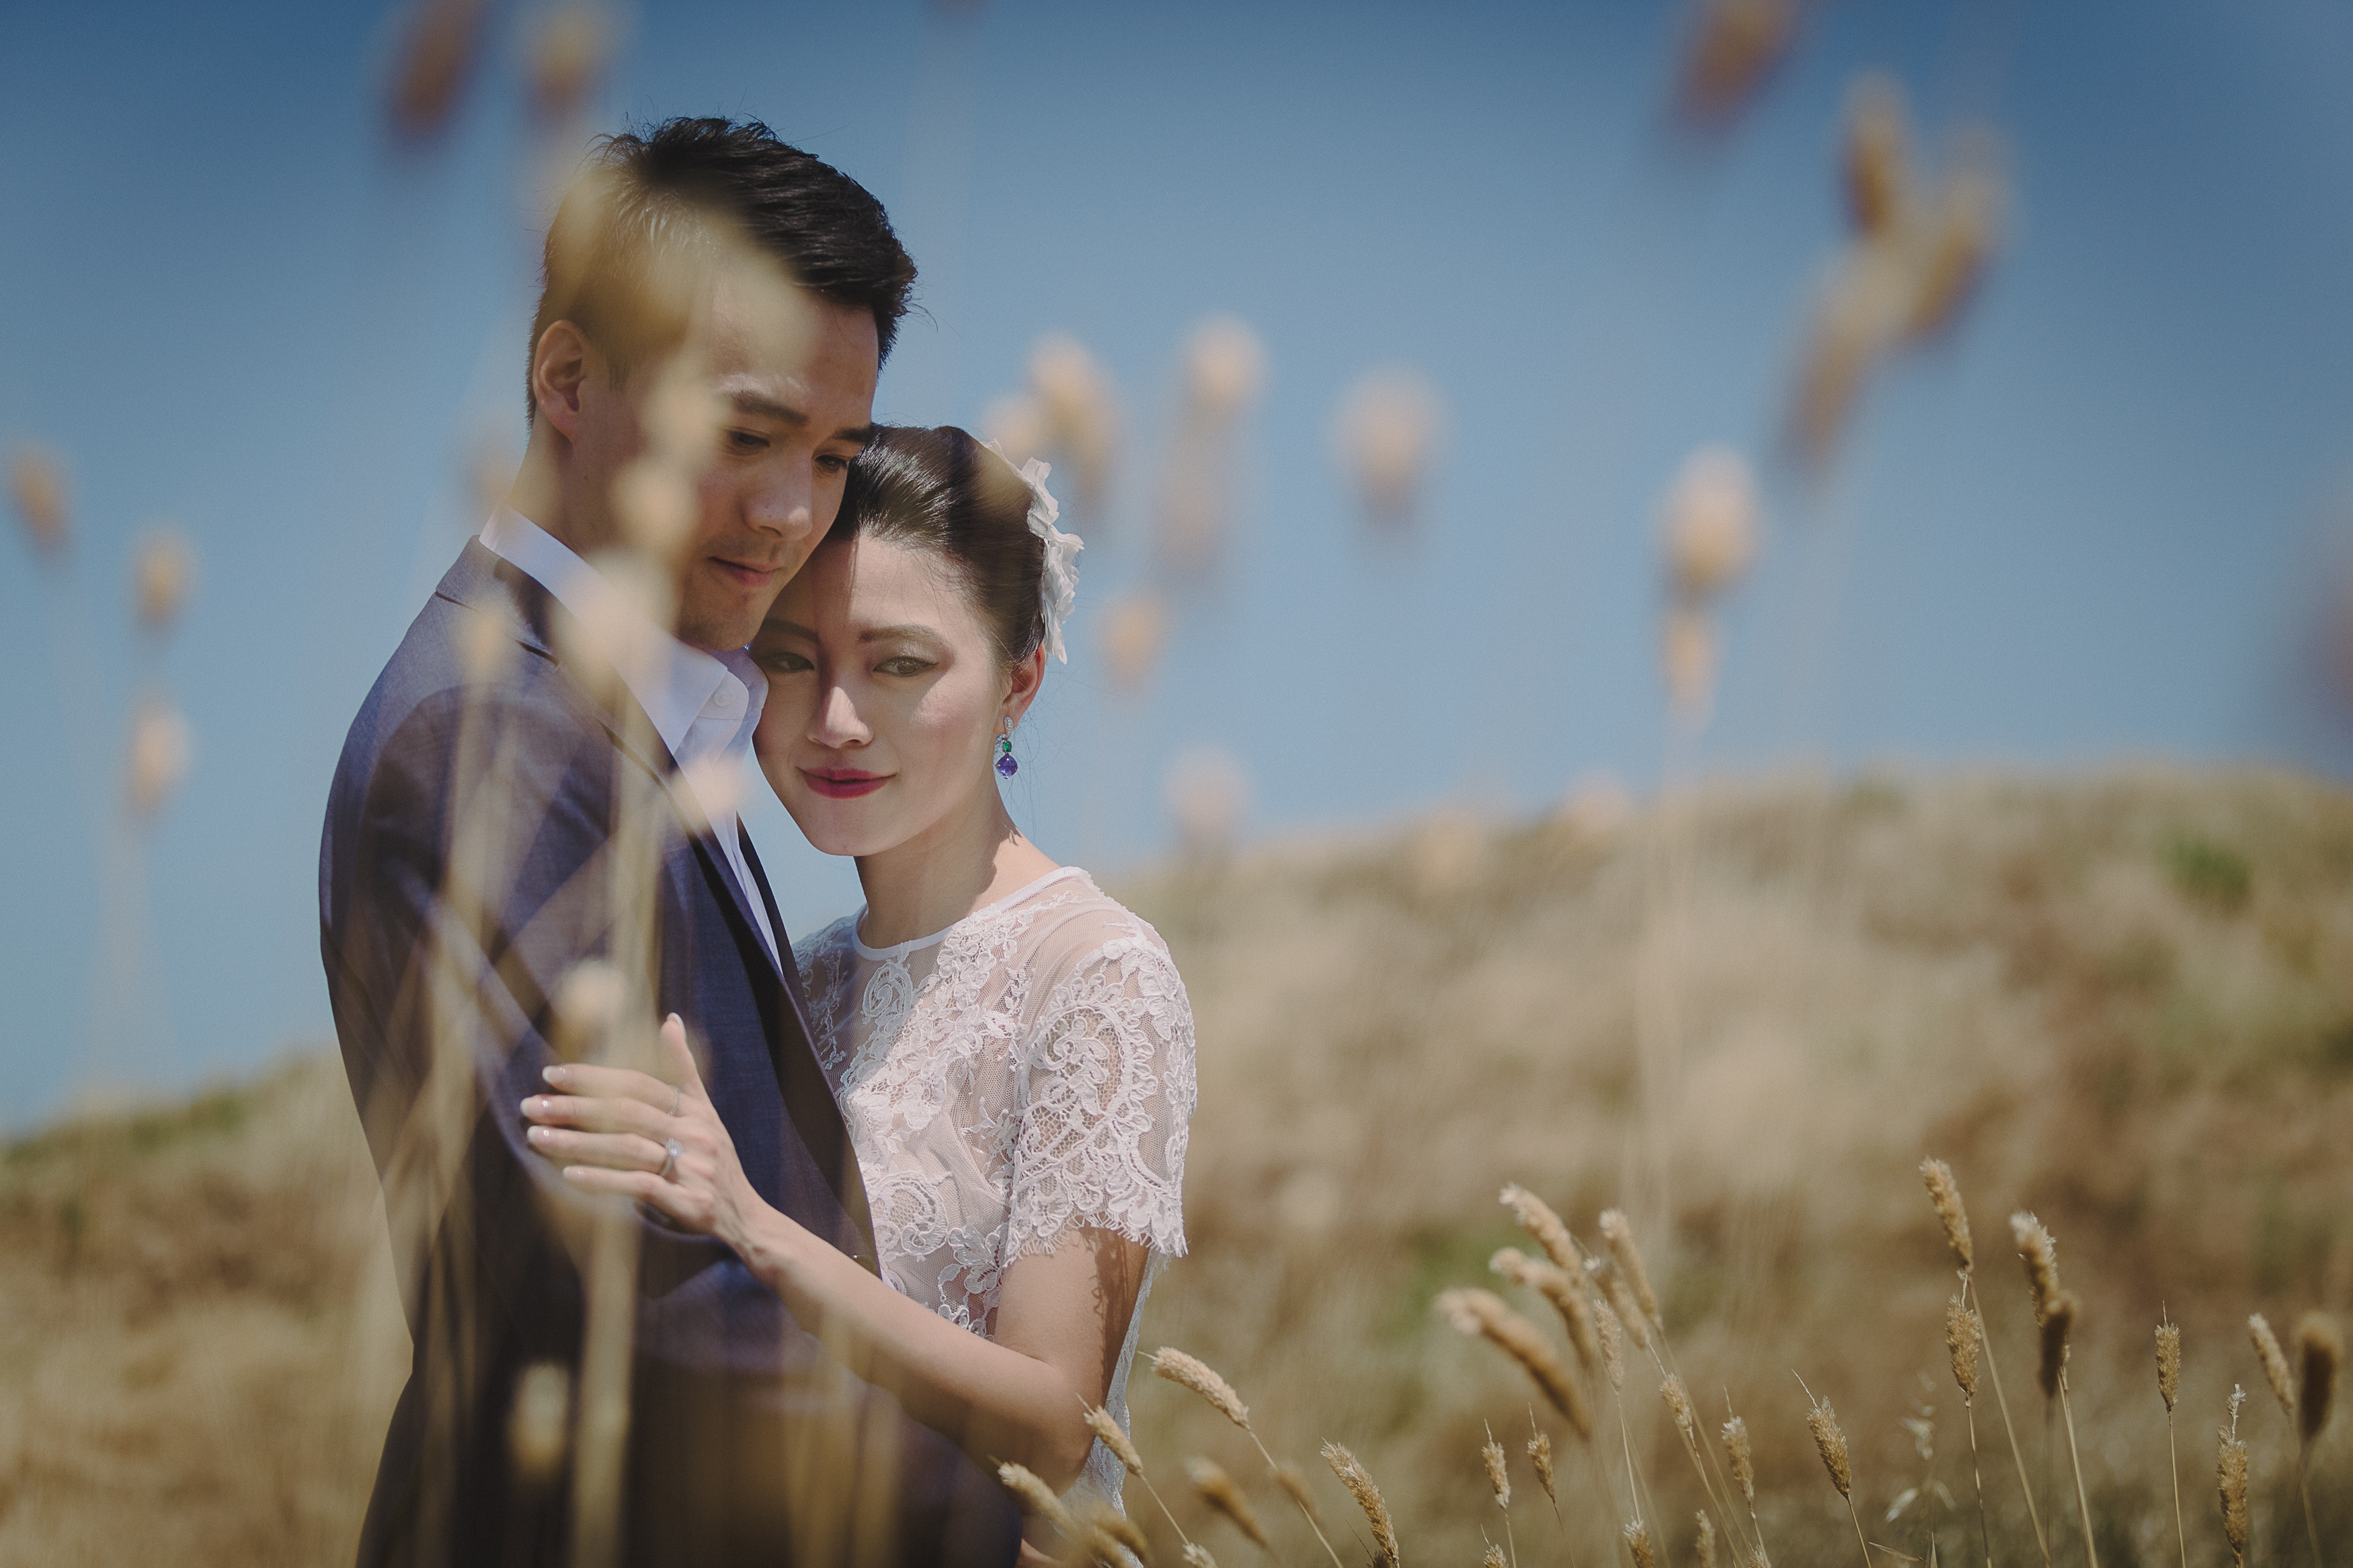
[{"x": 649, "y": 198}]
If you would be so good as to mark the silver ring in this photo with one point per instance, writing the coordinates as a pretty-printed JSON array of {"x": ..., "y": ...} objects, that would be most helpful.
[{"x": 671, "y": 1151}]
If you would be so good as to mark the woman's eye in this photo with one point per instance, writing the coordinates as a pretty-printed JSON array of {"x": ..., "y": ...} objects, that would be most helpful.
[{"x": 904, "y": 664}]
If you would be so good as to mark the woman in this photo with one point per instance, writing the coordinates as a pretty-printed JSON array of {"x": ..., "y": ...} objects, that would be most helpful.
[{"x": 1011, "y": 1049}]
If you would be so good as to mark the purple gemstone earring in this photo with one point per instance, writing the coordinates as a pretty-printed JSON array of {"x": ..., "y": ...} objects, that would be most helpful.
[{"x": 1006, "y": 766}]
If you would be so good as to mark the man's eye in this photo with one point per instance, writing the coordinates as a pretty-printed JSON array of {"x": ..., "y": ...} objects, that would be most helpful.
[
  {"x": 783, "y": 663},
  {"x": 904, "y": 664},
  {"x": 746, "y": 441},
  {"x": 833, "y": 463}
]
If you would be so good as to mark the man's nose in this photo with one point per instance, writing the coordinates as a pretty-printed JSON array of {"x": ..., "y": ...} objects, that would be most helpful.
[{"x": 781, "y": 502}]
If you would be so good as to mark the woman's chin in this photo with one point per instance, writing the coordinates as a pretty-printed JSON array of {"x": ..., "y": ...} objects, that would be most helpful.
[{"x": 833, "y": 826}]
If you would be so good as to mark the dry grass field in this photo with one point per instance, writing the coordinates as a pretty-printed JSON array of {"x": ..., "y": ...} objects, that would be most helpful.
[{"x": 2124, "y": 1001}]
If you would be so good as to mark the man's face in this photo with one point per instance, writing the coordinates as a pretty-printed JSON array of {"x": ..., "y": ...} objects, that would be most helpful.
[
  {"x": 791, "y": 416},
  {"x": 783, "y": 393}
]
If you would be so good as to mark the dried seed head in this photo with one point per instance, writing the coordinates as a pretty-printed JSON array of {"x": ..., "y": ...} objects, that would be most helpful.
[
  {"x": 2041, "y": 1255},
  {"x": 1743, "y": 1463},
  {"x": 1099, "y": 1422},
  {"x": 1620, "y": 1234},
  {"x": 1961, "y": 1331},
  {"x": 1945, "y": 1193},
  {"x": 1218, "y": 1490},
  {"x": 1877, "y": 178},
  {"x": 2267, "y": 1346},
  {"x": 1709, "y": 518},
  {"x": 1613, "y": 1347},
  {"x": 567, "y": 54},
  {"x": 1679, "y": 1404},
  {"x": 159, "y": 752},
  {"x": 2169, "y": 1362},
  {"x": 1707, "y": 1541},
  {"x": 1557, "y": 1287},
  {"x": 1540, "y": 1456},
  {"x": 1964, "y": 234},
  {"x": 1499, "y": 1475},
  {"x": 1225, "y": 367},
  {"x": 162, "y": 572},
  {"x": 1385, "y": 434},
  {"x": 1535, "y": 1218},
  {"x": 37, "y": 483},
  {"x": 1107, "y": 1538},
  {"x": 1494, "y": 1558},
  {"x": 2320, "y": 1355},
  {"x": 1630, "y": 1315},
  {"x": 1294, "y": 1486},
  {"x": 1368, "y": 1498},
  {"x": 1197, "y": 1556},
  {"x": 2231, "y": 1470},
  {"x": 539, "y": 1426},
  {"x": 1823, "y": 1423},
  {"x": 1638, "y": 1541},
  {"x": 1134, "y": 628},
  {"x": 1733, "y": 46},
  {"x": 436, "y": 59},
  {"x": 2056, "y": 1325},
  {"x": 1687, "y": 656},
  {"x": 1189, "y": 1372},
  {"x": 1037, "y": 1498},
  {"x": 1483, "y": 1313}
]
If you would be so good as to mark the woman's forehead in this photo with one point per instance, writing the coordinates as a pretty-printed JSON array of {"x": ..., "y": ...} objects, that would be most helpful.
[{"x": 865, "y": 582}]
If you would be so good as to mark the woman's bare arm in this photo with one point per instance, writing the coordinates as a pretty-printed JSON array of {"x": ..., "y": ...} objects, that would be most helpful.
[{"x": 1061, "y": 1316}]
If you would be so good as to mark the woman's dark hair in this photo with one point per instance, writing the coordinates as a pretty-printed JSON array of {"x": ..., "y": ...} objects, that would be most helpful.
[
  {"x": 943, "y": 492},
  {"x": 649, "y": 200}
]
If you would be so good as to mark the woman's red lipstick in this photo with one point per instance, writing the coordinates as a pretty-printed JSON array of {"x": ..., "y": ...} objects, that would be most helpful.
[{"x": 843, "y": 783}]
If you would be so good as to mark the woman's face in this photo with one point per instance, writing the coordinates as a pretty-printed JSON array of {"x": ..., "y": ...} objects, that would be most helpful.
[{"x": 884, "y": 693}]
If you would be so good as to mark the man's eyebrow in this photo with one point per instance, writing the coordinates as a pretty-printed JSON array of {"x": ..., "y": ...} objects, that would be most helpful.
[
  {"x": 785, "y": 413},
  {"x": 790, "y": 629}
]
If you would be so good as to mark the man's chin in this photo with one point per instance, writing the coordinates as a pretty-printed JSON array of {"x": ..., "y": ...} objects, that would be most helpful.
[{"x": 720, "y": 628}]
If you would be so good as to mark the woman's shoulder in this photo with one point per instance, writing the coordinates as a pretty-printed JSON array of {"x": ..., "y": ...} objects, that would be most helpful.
[{"x": 1072, "y": 921}]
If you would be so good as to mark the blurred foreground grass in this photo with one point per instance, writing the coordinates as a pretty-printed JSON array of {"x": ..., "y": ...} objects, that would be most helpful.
[{"x": 2123, "y": 1000}]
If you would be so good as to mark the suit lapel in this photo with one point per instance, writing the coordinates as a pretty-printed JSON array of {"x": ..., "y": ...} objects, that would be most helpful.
[{"x": 807, "y": 1095}]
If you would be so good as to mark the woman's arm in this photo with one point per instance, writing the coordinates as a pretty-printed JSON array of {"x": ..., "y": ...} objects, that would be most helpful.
[{"x": 1062, "y": 1315}]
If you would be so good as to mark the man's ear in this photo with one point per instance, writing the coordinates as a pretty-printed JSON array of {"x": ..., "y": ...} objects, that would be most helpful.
[{"x": 560, "y": 362}]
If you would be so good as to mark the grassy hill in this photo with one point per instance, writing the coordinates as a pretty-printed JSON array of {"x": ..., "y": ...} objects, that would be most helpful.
[{"x": 2124, "y": 1001}]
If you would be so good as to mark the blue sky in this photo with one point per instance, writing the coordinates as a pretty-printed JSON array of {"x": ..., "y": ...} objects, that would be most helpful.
[{"x": 2097, "y": 523}]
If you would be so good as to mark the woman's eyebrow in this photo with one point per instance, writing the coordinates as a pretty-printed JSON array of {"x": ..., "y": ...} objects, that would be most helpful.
[{"x": 878, "y": 634}]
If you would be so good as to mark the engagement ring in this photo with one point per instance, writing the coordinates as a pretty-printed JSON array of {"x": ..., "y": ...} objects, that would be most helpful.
[{"x": 672, "y": 1148}]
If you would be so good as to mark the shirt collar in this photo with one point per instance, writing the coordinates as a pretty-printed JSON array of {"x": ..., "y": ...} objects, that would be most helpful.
[{"x": 674, "y": 684}]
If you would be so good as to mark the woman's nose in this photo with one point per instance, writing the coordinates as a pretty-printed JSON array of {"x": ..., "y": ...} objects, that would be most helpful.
[{"x": 838, "y": 722}]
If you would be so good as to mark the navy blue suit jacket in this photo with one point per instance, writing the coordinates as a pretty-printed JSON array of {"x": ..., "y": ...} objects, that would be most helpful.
[{"x": 503, "y": 812}]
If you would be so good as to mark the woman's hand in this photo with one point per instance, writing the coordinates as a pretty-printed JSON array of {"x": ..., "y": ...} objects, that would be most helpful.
[{"x": 656, "y": 1139}]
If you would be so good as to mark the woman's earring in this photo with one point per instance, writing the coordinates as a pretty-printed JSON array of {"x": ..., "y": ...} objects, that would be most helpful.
[{"x": 1006, "y": 766}]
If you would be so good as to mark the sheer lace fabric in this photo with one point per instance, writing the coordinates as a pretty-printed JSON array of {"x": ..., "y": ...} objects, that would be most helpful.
[{"x": 1028, "y": 1071}]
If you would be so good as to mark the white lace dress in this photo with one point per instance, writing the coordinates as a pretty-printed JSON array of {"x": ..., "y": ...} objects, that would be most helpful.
[{"x": 1026, "y": 1070}]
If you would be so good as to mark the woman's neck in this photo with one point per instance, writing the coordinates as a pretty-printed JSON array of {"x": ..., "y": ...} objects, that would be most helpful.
[{"x": 967, "y": 860}]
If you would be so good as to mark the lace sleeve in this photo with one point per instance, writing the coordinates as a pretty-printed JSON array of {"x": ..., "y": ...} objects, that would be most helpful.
[{"x": 1107, "y": 1101}]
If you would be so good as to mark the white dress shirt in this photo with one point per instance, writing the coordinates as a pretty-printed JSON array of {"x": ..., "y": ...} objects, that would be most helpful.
[{"x": 704, "y": 706}]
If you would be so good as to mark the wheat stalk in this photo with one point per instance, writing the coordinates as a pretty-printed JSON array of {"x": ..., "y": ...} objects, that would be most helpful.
[
  {"x": 1638, "y": 1542},
  {"x": 1823, "y": 1421},
  {"x": 2169, "y": 1388},
  {"x": 1499, "y": 1483},
  {"x": 1123, "y": 1448},
  {"x": 2231, "y": 1470},
  {"x": 1945, "y": 1195},
  {"x": 1368, "y": 1498},
  {"x": 2267, "y": 1347},
  {"x": 2002, "y": 1402},
  {"x": 1706, "y": 1543},
  {"x": 1556, "y": 1285},
  {"x": 1037, "y": 1498},
  {"x": 1619, "y": 1232},
  {"x": 1191, "y": 1371},
  {"x": 2320, "y": 1354},
  {"x": 1482, "y": 1314},
  {"x": 1218, "y": 1490},
  {"x": 1535, "y": 1218}
]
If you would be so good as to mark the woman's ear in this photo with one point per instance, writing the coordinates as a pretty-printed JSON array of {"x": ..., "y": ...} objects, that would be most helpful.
[
  {"x": 559, "y": 363},
  {"x": 1022, "y": 679}
]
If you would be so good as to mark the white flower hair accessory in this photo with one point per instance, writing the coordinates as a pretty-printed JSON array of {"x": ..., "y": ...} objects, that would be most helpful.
[{"x": 1058, "y": 583}]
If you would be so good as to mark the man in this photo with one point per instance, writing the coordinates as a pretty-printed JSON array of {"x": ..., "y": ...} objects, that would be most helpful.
[{"x": 531, "y": 852}]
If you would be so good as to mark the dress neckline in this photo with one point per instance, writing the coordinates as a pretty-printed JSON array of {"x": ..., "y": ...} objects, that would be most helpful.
[{"x": 900, "y": 949}]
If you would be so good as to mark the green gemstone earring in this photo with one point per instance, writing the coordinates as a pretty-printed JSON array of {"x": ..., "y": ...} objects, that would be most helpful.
[{"x": 1006, "y": 766}]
